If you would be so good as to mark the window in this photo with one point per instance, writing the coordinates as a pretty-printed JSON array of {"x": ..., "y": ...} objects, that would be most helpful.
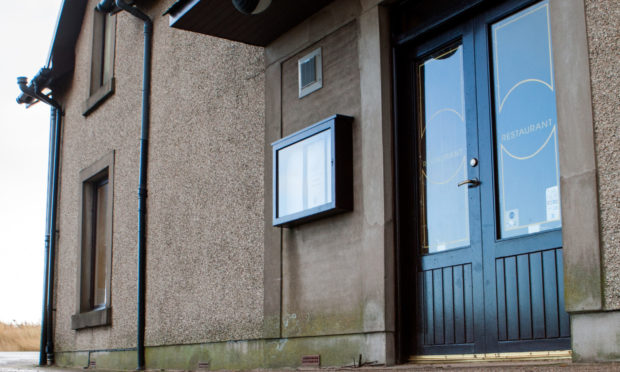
[
  {"x": 452, "y": 140},
  {"x": 96, "y": 244},
  {"x": 102, "y": 61},
  {"x": 526, "y": 125}
]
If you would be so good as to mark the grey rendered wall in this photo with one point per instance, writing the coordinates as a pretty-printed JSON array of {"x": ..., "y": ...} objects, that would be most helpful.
[
  {"x": 322, "y": 261},
  {"x": 603, "y": 28},
  {"x": 205, "y": 208},
  {"x": 336, "y": 274},
  {"x": 586, "y": 39}
]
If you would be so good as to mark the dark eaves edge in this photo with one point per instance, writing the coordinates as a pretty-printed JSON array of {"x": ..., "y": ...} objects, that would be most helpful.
[{"x": 178, "y": 4}]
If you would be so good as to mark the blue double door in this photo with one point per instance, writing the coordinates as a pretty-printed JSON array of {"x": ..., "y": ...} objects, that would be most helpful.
[{"x": 477, "y": 138}]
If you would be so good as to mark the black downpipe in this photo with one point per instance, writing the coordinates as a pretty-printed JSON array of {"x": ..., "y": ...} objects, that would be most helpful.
[
  {"x": 50, "y": 162},
  {"x": 106, "y": 6},
  {"x": 30, "y": 93},
  {"x": 49, "y": 348}
]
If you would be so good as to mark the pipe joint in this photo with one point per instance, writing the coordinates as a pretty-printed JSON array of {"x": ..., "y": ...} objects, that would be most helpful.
[
  {"x": 32, "y": 91},
  {"x": 148, "y": 27},
  {"x": 106, "y": 6},
  {"x": 24, "y": 98},
  {"x": 134, "y": 11},
  {"x": 142, "y": 192}
]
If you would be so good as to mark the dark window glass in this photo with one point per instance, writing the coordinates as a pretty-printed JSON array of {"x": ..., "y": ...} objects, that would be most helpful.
[
  {"x": 103, "y": 50},
  {"x": 100, "y": 246}
]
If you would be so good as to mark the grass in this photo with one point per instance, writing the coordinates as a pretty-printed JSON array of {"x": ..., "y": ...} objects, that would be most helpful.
[{"x": 19, "y": 337}]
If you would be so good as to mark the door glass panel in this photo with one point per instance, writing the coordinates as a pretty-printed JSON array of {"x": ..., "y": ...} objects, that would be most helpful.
[
  {"x": 442, "y": 145},
  {"x": 525, "y": 123}
]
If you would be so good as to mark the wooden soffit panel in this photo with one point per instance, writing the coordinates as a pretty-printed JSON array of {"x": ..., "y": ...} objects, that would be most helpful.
[{"x": 220, "y": 18}]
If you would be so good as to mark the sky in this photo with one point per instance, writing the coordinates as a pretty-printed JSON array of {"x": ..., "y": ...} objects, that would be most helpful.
[{"x": 26, "y": 31}]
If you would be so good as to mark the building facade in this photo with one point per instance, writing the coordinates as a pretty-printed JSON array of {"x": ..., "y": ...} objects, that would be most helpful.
[{"x": 483, "y": 180}]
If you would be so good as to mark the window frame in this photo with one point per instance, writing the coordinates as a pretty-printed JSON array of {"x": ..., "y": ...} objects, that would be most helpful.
[
  {"x": 87, "y": 314},
  {"x": 101, "y": 85},
  {"x": 317, "y": 84}
]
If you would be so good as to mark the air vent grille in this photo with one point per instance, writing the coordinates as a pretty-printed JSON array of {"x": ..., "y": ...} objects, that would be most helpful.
[
  {"x": 310, "y": 73},
  {"x": 311, "y": 361},
  {"x": 203, "y": 365}
]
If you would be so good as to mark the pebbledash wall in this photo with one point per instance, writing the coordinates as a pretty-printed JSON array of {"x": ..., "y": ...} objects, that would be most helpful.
[
  {"x": 205, "y": 181},
  {"x": 603, "y": 27},
  {"x": 226, "y": 288},
  {"x": 603, "y": 41}
]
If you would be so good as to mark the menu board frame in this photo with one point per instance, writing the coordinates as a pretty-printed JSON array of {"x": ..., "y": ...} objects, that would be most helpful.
[{"x": 338, "y": 184}]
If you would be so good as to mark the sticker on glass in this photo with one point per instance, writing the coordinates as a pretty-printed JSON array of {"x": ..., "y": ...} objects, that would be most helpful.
[
  {"x": 512, "y": 219},
  {"x": 553, "y": 203}
]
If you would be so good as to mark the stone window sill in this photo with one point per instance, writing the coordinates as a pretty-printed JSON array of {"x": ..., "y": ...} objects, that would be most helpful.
[
  {"x": 95, "y": 318},
  {"x": 97, "y": 98}
]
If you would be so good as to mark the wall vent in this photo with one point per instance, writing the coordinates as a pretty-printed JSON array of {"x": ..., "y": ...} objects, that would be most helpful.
[
  {"x": 203, "y": 365},
  {"x": 310, "y": 71},
  {"x": 311, "y": 361}
]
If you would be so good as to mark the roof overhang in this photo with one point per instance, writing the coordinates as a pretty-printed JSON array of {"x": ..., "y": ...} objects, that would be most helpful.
[
  {"x": 61, "y": 58},
  {"x": 220, "y": 18}
]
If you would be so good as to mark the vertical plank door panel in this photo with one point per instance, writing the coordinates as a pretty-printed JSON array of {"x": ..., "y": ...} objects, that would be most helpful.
[
  {"x": 552, "y": 325},
  {"x": 525, "y": 308},
  {"x": 459, "y": 305},
  {"x": 420, "y": 313},
  {"x": 448, "y": 305},
  {"x": 469, "y": 304},
  {"x": 438, "y": 306},
  {"x": 512, "y": 303},
  {"x": 428, "y": 301},
  {"x": 538, "y": 301},
  {"x": 501, "y": 300}
]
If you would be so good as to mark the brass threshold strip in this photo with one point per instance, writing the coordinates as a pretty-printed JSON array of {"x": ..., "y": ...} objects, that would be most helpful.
[{"x": 493, "y": 357}]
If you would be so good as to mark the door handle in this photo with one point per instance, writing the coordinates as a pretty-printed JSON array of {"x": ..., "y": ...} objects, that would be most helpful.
[{"x": 472, "y": 182}]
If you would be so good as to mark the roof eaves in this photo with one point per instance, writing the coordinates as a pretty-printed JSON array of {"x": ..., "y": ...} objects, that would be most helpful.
[
  {"x": 178, "y": 4},
  {"x": 61, "y": 56}
]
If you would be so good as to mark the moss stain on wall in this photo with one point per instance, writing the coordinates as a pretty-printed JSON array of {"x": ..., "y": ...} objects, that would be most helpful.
[{"x": 232, "y": 355}]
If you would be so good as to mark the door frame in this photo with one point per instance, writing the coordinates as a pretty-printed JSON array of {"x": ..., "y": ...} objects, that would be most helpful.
[{"x": 578, "y": 183}]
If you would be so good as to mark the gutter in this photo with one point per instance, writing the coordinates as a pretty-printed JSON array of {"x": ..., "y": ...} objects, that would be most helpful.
[
  {"x": 30, "y": 95},
  {"x": 110, "y": 6}
]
